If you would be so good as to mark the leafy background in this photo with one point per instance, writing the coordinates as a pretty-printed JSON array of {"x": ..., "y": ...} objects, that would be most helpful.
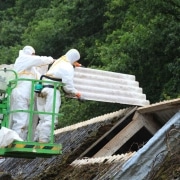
[{"x": 127, "y": 36}]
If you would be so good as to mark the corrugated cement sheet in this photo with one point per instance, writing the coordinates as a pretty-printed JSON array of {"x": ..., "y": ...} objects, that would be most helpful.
[
  {"x": 105, "y": 86},
  {"x": 153, "y": 152}
]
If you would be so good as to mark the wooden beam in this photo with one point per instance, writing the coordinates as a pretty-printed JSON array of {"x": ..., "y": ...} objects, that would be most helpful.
[
  {"x": 175, "y": 103},
  {"x": 120, "y": 139},
  {"x": 139, "y": 121},
  {"x": 149, "y": 123},
  {"x": 107, "y": 133}
]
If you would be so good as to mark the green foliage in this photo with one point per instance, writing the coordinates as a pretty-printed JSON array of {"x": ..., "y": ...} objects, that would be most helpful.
[
  {"x": 77, "y": 111},
  {"x": 139, "y": 40},
  {"x": 172, "y": 88},
  {"x": 41, "y": 37},
  {"x": 9, "y": 34},
  {"x": 6, "y": 4},
  {"x": 8, "y": 54},
  {"x": 128, "y": 36}
]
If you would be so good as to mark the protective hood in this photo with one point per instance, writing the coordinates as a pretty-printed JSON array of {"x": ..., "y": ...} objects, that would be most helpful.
[
  {"x": 72, "y": 55},
  {"x": 28, "y": 50}
]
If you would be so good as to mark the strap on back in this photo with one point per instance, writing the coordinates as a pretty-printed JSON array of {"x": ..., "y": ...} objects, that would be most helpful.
[{"x": 52, "y": 78}]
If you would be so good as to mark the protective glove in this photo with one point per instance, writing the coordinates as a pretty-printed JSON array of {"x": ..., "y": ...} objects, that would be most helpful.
[
  {"x": 78, "y": 95},
  {"x": 76, "y": 64}
]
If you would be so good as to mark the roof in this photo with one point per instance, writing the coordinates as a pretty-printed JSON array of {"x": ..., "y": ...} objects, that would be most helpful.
[
  {"x": 112, "y": 135},
  {"x": 76, "y": 139}
]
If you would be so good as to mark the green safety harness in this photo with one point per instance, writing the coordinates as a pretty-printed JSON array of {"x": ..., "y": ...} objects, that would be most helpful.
[{"x": 39, "y": 86}]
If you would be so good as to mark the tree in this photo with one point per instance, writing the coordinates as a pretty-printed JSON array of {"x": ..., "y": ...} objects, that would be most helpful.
[{"x": 140, "y": 40}]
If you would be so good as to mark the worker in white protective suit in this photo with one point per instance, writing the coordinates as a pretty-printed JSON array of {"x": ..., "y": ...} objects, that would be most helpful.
[
  {"x": 61, "y": 69},
  {"x": 24, "y": 66}
]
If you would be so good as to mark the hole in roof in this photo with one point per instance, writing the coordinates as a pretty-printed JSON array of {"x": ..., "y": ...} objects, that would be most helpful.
[{"x": 136, "y": 142}]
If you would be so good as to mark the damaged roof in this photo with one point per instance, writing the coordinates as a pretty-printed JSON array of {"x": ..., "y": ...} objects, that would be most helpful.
[
  {"x": 120, "y": 145},
  {"x": 83, "y": 140}
]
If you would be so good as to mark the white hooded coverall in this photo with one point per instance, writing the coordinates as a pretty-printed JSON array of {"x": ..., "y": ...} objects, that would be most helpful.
[
  {"x": 62, "y": 69},
  {"x": 24, "y": 66}
]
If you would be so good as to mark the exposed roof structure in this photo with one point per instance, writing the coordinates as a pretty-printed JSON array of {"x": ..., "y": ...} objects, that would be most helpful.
[
  {"x": 121, "y": 145},
  {"x": 81, "y": 141}
]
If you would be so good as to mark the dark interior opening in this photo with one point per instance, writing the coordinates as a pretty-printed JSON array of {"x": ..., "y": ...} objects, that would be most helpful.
[
  {"x": 136, "y": 142},
  {"x": 108, "y": 137}
]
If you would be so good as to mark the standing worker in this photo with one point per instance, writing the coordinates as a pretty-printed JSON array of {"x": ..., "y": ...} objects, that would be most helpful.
[
  {"x": 24, "y": 66},
  {"x": 61, "y": 69}
]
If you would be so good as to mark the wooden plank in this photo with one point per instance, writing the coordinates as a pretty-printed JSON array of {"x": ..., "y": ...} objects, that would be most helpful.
[
  {"x": 139, "y": 121},
  {"x": 107, "y": 133},
  {"x": 120, "y": 139},
  {"x": 149, "y": 123},
  {"x": 175, "y": 103}
]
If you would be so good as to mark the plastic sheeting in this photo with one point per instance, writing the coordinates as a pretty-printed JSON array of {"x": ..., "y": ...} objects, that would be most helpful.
[
  {"x": 7, "y": 136},
  {"x": 139, "y": 166}
]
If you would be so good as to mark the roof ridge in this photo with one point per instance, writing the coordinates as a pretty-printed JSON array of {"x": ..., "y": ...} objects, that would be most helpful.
[{"x": 91, "y": 121}]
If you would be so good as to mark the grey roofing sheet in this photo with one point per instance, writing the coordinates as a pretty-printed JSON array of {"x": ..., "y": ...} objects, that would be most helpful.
[
  {"x": 106, "y": 86},
  {"x": 140, "y": 165},
  {"x": 75, "y": 139}
]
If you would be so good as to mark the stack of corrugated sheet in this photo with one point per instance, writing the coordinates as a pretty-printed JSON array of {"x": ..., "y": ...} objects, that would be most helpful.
[{"x": 105, "y": 86}]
